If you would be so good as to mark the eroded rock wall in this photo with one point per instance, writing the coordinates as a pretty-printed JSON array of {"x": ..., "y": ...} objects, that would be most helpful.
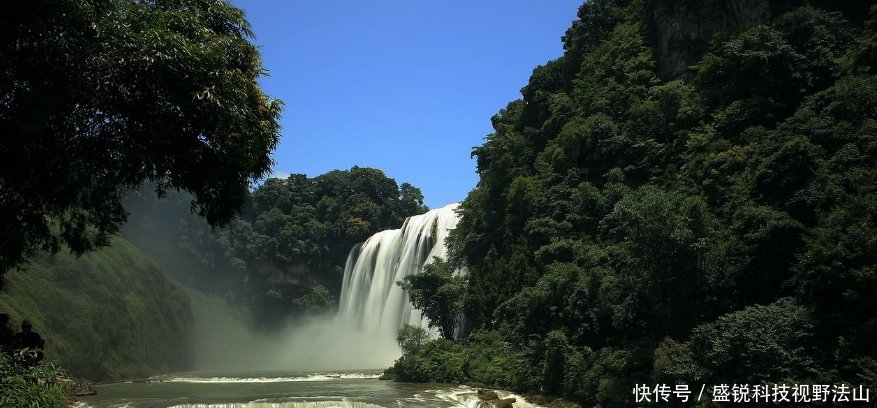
[{"x": 683, "y": 29}]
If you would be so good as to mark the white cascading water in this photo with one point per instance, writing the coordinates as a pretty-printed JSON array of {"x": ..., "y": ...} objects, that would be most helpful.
[{"x": 370, "y": 298}]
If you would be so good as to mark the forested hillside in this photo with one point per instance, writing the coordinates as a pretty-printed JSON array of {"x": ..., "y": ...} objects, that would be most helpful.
[
  {"x": 110, "y": 314},
  {"x": 688, "y": 194},
  {"x": 285, "y": 252}
]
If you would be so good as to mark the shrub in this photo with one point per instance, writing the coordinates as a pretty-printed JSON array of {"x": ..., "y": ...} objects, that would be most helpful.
[{"x": 43, "y": 385}]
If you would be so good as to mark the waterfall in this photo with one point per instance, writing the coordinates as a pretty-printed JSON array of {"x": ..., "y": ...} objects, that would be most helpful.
[
  {"x": 362, "y": 333},
  {"x": 370, "y": 298}
]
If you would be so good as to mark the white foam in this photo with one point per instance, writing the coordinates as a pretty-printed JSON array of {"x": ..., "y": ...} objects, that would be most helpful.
[
  {"x": 345, "y": 403},
  {"x": 467, "y": 397},
  {"x": 81, "y": 404}
]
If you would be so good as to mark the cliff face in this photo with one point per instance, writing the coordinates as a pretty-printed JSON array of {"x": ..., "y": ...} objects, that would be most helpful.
[{"x": 683, "y": 29}]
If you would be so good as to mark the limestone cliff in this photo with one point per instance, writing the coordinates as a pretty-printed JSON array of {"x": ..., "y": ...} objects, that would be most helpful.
[{"x": 683, "y": 29}]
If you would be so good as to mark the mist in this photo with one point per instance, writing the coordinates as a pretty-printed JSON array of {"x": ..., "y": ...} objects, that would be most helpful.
[{"x": 225, "y": 342}]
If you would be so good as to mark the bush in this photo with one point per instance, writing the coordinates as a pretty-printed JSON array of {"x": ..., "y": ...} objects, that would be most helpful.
[
  {"x": 438, "y": 361},
  {"x": 673, "y": 364},
  {"x": 43, "y": 385},
  {"x": 756, "y": 344},
  {"x": 487, "y": 360},
  {"x": 411, "y": 339},
  {"x": 493, "y": 361}
]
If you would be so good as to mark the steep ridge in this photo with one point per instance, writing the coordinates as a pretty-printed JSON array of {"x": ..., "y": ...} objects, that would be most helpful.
[{"x": 110, "y": 314}]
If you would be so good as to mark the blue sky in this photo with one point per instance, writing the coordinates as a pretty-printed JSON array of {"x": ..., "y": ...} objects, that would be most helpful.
[{"x": 404, "y": 86}]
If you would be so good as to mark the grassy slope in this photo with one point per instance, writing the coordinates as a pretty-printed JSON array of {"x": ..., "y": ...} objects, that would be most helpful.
[{"x": 105, "y": 315}]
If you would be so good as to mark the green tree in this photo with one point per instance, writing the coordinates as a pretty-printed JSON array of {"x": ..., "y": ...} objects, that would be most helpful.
[
  {"x": 98, "y": 97},
  {"x": 662, "y": 239},
  {"x": 411, "y": 199},
  {"x": 556, "y": 351},
  {"x": 438, "y": 293},
  {"x": 411, "y": 339},
  {"x": 317, "y": 300},
  {"x": 757, "y": 344}
]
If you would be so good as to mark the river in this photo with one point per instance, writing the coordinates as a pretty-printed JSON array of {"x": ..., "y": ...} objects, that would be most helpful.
[{"x": 280, "y": 390}]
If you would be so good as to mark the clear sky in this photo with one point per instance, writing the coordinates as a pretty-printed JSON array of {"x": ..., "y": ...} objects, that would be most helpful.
[{"x": 404, "y": 86}]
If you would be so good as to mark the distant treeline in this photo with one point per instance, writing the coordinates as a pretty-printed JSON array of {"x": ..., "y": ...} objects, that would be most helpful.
[
  {"x": 286, "y": 250},
  {"x": 711, "y": 225}
]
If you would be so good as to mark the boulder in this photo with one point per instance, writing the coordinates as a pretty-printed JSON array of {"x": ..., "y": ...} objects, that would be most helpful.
[{"x": 487, "y": 395}]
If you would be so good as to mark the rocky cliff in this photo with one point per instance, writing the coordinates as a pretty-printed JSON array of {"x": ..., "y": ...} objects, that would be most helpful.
[{"x": 683, "y": 29}]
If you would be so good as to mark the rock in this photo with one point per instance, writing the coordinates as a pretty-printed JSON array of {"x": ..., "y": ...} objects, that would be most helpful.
[
  {"x": 498, "y": 403},
  {"x": 684, "y": 28},
  {"x": 487, "y": 395},
  {"x": 82, "y": 388},
  {"x": 506, "y": 403}
]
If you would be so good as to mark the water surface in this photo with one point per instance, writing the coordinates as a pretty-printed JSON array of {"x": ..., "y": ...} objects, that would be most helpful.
[{"x": 360, "y": 389}]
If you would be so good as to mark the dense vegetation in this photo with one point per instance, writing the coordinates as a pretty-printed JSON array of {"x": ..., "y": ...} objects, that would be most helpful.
[
  {"x": 110, "y": 314},
  {"x": 43, "y": 385},
  {"x": 97, "y": 97},
  {"x": 713, "y": 226},
  {"x": 285, "y": 253}
]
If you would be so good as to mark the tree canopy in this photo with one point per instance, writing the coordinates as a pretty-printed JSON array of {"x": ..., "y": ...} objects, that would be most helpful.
[
  {"x": 99, "y": 96},
  {"x": 632, "y": 227}
]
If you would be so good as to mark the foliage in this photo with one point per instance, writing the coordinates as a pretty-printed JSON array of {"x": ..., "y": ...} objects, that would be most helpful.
[
  {"x": 556, "y": 351},
  {"x": 674, "y": 363},
  {"x": 133, "y": 322},
  {"x": 719, "y": 227},
  {"x": 438, "y": 361},
  {"x": 41, "y": 386},
  {"x": 742, "y": 347},
  {"x": 438, "y": 292},
  {"x": 411, "y": 339},
  {"x": 486, "y": 359},
  {"x": 315, "y": 301},
  {"x": 98, "y": 97}
]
